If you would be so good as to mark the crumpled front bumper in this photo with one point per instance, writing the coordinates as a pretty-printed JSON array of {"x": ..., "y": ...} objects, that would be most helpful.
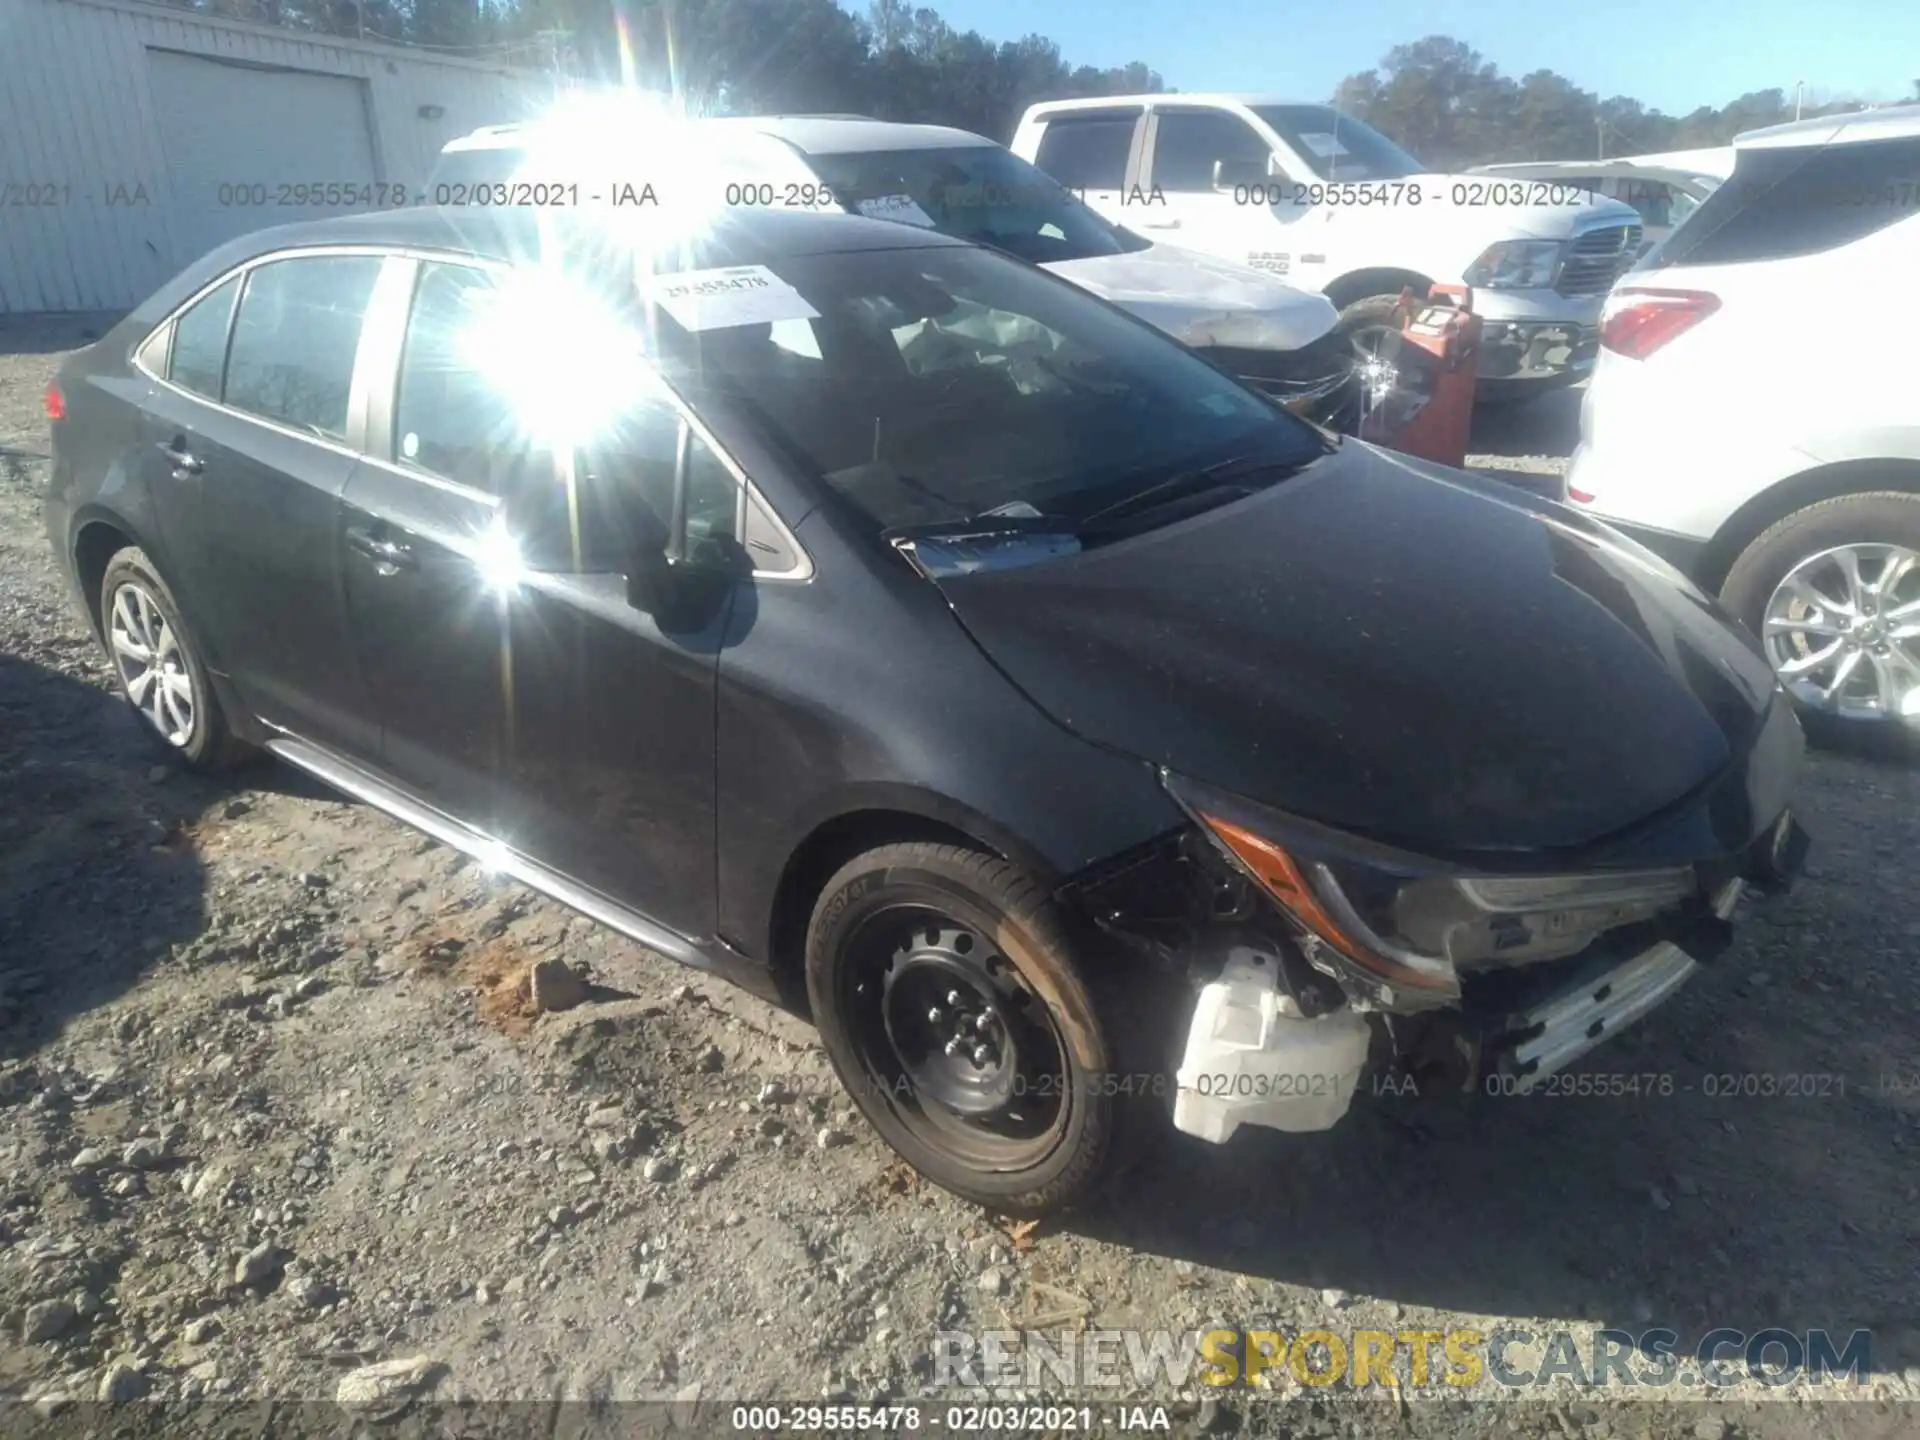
[
  {"x": 1252, "y": 1058},
  {"x": 1536, "y": 350},
  {"x": 1594, "y": 1004},
  {"x": 1319, "y": 381}
]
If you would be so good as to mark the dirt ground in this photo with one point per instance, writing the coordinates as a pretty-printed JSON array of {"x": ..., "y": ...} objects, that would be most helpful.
[{"x": 272, "y": 1111}]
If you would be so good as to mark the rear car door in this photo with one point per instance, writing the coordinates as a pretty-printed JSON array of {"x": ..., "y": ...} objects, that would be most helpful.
[{"x": 250, "y": 437}]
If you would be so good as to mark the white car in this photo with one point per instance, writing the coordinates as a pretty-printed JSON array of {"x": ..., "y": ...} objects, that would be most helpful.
[
  {"x": 1664, "y": 188},
  {"x": 1311, "y": 194},
  {"x": 1755, "y": 415},
  {"x": 1276, "y": 337}
]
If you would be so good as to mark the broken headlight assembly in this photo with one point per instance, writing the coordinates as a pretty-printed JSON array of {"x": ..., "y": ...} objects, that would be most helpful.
[{"x": 1396, "y": 930}]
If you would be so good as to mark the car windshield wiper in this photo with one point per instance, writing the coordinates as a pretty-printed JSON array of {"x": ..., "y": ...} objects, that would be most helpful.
[
  {"x": 1187, "y": 485},
  {"x": 989, "y": 522}
]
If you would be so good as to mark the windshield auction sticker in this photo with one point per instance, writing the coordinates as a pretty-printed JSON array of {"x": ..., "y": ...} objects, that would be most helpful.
[
  {"x": 895, "y": 207},
  {"x": 721, "y": 299}
]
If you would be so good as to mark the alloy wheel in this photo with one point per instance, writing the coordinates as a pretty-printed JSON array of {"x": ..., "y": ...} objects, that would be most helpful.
[
  {"x": 152, "y": 667},
  {"x": 1842, "y": 631}
]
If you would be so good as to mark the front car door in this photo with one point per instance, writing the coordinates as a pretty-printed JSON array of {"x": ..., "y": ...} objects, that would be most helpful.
[
  {"x": 1253, "y": 216},
  {"x": 249, "y": 433},
  {"x": 519, "y": 691}
]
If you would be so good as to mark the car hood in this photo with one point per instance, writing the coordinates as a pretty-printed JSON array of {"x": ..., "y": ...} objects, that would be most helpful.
[
  {"x": 1203, "y": 301},
  {"x": 1392, "y": 648},
  {"x": 1548, "y": 213},
  {"x": 1695, "y": 172}
]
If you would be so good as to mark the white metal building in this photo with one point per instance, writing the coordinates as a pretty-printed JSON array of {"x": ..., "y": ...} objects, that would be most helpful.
[{"x": 134, "y": 138}]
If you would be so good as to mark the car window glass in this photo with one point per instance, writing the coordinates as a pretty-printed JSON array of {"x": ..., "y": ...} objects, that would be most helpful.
[
  {"x": 152, "y": 353},
  {"x": 1786, "y": 202},
  {"x": 449, "y": 416},
  {"x": 1186, "y": 145},
  {"x": 295, "y": 337},
  {"x": 1337, "y": 146},
  {"x": 954, "y": 380},
  {"x": 986, "y": 194},
  {"x": 634, "y": 462},
  {"x": 200, "y": 342},
  {"x": 1090, "y": 154}
]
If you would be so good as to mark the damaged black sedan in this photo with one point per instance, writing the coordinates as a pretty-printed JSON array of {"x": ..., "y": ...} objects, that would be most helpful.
[{"x": 898, "y": 630}]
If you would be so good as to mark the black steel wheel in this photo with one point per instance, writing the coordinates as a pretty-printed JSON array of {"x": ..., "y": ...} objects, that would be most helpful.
[{"x": 944, "y": 988}]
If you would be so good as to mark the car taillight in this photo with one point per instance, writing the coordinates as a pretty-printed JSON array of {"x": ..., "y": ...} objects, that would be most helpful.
[
  {"x": 1639, "y": 322},
  {"x": 55, "y": 402}
]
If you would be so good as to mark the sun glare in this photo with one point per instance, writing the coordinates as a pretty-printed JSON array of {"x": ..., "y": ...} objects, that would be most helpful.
[
  {"x": 560, "y": 358},
  {"x": 496, "y": 558}
]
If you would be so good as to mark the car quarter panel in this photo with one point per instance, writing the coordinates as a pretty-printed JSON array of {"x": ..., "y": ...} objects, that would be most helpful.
[
  {"x": 858, "y": 690},
  {"x": 97, "y": 471}
]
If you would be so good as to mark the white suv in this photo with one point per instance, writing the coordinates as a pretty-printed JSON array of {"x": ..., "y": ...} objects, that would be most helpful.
[
  {"x": 1333, "y": 205},
  {"x": 1275, "y": 337},
  {"x": 1755, "y": 415}
]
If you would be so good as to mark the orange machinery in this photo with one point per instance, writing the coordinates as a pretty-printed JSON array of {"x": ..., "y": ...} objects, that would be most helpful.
[{"x": 1420, "y": 400}]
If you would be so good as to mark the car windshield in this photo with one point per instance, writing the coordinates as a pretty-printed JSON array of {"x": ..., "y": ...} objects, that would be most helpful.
[
  {"x": 984, "y": 194},
  {"x": 1337, "y": 146},
  {"x": 934, "y": 386}
]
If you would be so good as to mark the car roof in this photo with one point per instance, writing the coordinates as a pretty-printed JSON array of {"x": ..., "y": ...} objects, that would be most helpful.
[
  {"x": 1889, "y": 122},
  {"x": 736, "y": 236},
  {"x": 1212, "y": 97},
  {"x": 812, "y": 134},
  {"x": 827, "y": 135}
]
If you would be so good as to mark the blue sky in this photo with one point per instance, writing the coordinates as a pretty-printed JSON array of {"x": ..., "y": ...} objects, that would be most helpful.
[{"x": 1673, "y": 56}]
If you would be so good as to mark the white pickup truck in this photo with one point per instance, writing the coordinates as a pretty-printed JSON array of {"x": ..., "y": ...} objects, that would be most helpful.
[{"x": 1330, "y": 204}]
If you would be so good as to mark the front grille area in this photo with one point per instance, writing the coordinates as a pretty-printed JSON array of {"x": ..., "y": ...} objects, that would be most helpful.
[
  {"x": 1318, "y": 374},
  {"x": 1598, "y": 258}
]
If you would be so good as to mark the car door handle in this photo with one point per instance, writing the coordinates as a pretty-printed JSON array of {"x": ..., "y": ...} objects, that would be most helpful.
[
  {"x": 184, "y": 460},
  {"x": 388, "y": 556},
  {"x": 1159, "y": 224}
]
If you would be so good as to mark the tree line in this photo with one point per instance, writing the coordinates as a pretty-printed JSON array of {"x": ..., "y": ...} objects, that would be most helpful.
[
  {"x": 1438, "y": 97},
  {"x": 1446, "y": 103}
]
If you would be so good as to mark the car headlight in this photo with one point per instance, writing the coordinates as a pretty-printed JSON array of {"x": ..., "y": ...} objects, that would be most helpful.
[
  {"x": 1404, "y": 927},
  {"x": 1516, "y": 265}
]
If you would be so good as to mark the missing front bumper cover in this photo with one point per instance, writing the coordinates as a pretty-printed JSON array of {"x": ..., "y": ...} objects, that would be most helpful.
[{"x": 1554, "y": 1032}]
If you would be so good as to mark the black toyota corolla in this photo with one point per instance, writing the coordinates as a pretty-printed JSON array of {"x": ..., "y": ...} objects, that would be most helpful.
[{"x": 902, "y": 632}]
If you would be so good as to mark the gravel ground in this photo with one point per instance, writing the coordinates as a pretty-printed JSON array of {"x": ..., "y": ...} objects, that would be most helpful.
[
  {"x": 1529, "y": 444},
  {"x": 272, "y": 1110}
]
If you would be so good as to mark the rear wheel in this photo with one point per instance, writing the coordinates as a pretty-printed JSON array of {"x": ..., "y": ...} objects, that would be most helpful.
[
  {"x": 159, "y": 666},
  {"x": 1833, "y": 592},
  {"x": 943, "y": 984}
]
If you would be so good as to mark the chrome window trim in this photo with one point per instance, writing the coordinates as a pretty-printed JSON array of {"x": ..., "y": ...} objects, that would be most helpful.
[
  {"x": 750, "y": 493},
  {"x": 242, "y": 272},
  {"x": 359, "y": 399}
]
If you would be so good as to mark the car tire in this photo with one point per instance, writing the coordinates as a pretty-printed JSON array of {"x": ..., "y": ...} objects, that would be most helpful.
[
  {"x": 159, "y": 666},
  {"x": 1371, "y": 312},
  {"x": 1809, "y": 547},
  {"x": 910, "y": 942}
]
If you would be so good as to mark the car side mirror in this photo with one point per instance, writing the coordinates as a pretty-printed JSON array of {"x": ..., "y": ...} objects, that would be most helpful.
[
  {"x": 1240, "y": 174},
  {"x": 651, "y": 572}
]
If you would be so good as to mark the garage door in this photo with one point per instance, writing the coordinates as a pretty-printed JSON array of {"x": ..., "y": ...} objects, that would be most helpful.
[{"x": 234, "y": 134}]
